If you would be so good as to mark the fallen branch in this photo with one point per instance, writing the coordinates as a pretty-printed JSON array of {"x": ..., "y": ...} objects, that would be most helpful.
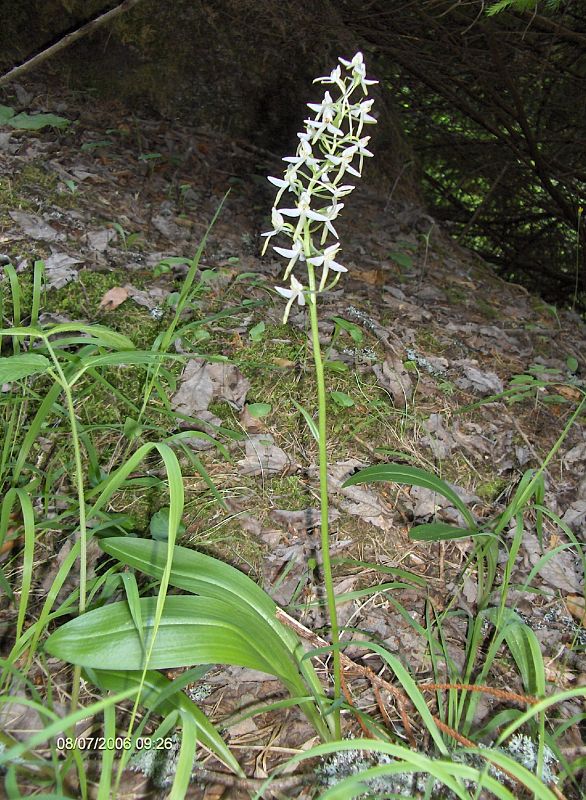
[{"x": 68, "y": 39}]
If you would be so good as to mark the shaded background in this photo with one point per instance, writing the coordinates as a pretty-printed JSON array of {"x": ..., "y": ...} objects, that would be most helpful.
[{"x": 482, "y": 118}]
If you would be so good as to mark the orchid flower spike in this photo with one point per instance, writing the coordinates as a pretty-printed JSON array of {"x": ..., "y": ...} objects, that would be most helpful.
[{"x": 331, "y": 146}]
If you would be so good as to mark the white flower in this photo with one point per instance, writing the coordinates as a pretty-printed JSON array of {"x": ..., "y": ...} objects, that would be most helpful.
[
  {"x": 278, "y": 223},
  {"x": 294, "y": 254},
  {"x": 294, "y": 293},
  {"x": 330, "y": 213},
  {"x": 361, "y": 146},
  {"x": 340, "y": 191},
  {"x": 358, "y": 68},
  {"x": 344, "y": 161},
  {"x": 303, "y": 210},
  {"x": 290, "y": 181},
  {"x": 327, "y": 112},
  {"x": 326, "y": 109},
  {"x": 322, "y": 126},
  {"x": 330, "y": 145},
  {"x": 326, "y": 260},
  {"x": 361, "y": 111},
  {"x": 335, "y": 76}
]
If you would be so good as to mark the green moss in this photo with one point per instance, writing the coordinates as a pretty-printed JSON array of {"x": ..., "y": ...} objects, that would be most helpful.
[
  {"x": 486, "y": 309},
  {"x": 290, "y": 493},
  {"x": 491, "y": 489},
  {"x": 428, "y": 341}
]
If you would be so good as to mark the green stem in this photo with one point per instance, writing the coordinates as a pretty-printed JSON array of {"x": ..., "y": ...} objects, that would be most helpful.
[
  {"x": 323, "y": 487},
  {"x": 82, "y": 512}
]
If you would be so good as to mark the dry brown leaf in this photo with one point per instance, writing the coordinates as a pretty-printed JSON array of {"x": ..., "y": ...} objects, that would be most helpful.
[
  {"x": 569, "y": 392},
  {"x": 282, "y": 363},
  {"x": 576, "y": 607},
  {"x": 373, "y": 277},
  {"x": 113, "y": 298}
]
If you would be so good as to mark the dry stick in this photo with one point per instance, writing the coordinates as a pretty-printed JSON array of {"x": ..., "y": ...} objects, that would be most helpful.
[{"x": 68, "y": 39}]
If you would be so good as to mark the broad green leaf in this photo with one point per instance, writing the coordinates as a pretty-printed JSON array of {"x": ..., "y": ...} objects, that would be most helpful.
[
  {"x": 197, "y": 573},
  {"x": 402, "y": 259},
  {"x": 410, "y": 476},
  {"x": 36, "y": 122},
  {"x": 440, "y": 531},
  {"x": 159, "y": 695},
  {"x": 14, "y": 368},
  {"x": 256, "y": 333},
  {"x": 335, "y": 366},
  {"x": 342, "y": 399},
  {"x": 201, "y": 574},
  {"x": 192, "y": 630},
  {"x": 351, "y": 329},
  {"x": 159, "y": 525},
  {"x": 132, "y": 428},
  {"x": 259, "y": 410},
  {"x": 100, "y": 333},
  {"x": 6, "y": 113},
  {"x": 572, "y": 363}
]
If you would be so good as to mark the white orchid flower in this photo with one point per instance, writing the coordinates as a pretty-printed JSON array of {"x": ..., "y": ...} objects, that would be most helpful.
[
  {"x": 278, "y": 223},
  {"x": 327, "y": 262},
  {"x": 303, "y": 211},
  {"x": 361, "y": 111},
  {"x": 344, "y": 161},
  {"x": 340, "y": 191},
  {"x": 320, "y": 127},
  {"x": 292, "y": 294},
  {"x": 327, "y": 108},
  {"x": 294, "y": 254},
  {"x": 335, "y": 76},
  {"x": 330, "y": 145},
  {"x": 330, "y": 213},
  {"x": 358, "y": 68}
]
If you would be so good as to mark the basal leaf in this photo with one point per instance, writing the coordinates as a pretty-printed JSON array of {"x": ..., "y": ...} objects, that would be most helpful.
[
  {"x": 439, "y": 531},
  {"x": 36, "y": 122},
  {"x": 193, "y": 630},
  {"x": 6, "y": 113}
]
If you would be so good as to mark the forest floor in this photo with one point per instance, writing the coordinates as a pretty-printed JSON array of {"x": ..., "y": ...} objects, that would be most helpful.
[{"x": 437, "y": 363}]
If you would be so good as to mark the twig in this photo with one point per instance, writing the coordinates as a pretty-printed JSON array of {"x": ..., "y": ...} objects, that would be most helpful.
[
  {"x": 68, "y": 39},
  {"x": 500, "y": 694}
]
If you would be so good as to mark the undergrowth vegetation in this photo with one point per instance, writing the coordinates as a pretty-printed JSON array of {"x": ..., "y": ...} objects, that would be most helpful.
[{"x": 94, "y": 455}]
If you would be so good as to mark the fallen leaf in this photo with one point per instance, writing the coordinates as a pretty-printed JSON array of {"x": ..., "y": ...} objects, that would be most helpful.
[
  {"x": 59, "y": 270},
  {"x": 393, "y": 377},
  {"x": 35, "y": 227},
  {"x": 99, "y": 240},
  {"x": 113, "y": 298},
  {"x": 373, "y": 277},
  {"x": 576, "y": 607},
  {"x": 264, "y": 457}
]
